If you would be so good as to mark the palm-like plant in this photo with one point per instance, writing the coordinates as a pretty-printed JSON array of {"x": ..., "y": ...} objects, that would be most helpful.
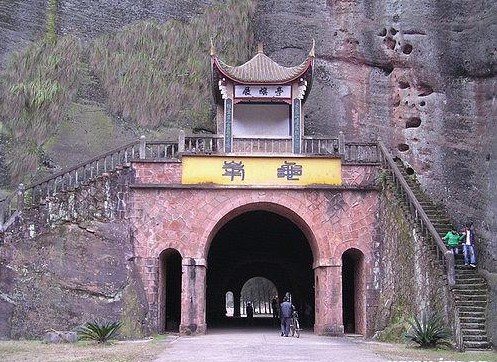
[
  {"x": 99, "y": 331},
  {"x": 429, "y": 332}
]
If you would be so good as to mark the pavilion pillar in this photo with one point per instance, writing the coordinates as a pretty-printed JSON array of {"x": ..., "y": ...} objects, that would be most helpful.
[
  {"x": 228, "y": 125},
  {"x": 328, "y": 296},
  {"x": 297, "y": 131},
  {"x": 193, "y": 297}
]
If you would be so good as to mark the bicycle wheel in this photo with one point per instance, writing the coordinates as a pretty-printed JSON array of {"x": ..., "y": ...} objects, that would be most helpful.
[
  {"x": 292, "y": 329},
  {"x": 297, "y": 328}
]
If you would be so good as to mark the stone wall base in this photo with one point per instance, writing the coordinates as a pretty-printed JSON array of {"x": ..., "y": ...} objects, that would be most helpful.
[
  {"x": 334, "y": 330},
  {"x": 192, "y": 329}
]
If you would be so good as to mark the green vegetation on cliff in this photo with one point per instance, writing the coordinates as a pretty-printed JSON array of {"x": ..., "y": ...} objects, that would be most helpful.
[
  {"x": 153, "y": 76},
  {"x": 158, "y": 74},
  {"x": 39, "y": 84}
]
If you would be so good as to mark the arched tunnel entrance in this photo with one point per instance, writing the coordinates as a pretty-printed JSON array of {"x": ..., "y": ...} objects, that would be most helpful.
[{"x": 262, "y": 245}]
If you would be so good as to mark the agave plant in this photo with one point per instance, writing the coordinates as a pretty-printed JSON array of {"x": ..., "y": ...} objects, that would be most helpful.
[
  {"x": 99, "y": 331},
  {"x": 429, "y": 332}
]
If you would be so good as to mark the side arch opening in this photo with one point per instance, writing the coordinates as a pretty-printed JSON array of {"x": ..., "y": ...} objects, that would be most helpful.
[
  {"x": 170, "y": 291},
  {"x": 353, "y": 292}
]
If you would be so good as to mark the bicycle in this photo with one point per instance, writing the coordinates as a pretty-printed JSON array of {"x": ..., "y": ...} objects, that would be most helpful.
[{"x": 295, "y": 325}]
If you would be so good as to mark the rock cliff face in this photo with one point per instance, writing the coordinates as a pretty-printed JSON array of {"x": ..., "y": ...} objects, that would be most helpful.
[{"x": 421, "y": 75}]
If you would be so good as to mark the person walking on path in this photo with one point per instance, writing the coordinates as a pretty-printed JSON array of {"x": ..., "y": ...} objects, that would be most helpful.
[
  {"x": 286, "y": 312},
  {"x": 453, "y": 239}
]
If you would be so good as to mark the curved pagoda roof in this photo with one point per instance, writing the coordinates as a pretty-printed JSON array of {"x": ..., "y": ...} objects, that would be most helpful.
[{"x": 261, "y": 70}]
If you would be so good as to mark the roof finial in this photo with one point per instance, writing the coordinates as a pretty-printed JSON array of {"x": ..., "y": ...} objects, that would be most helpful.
[
  {"x": 213, "y": 50},
  {"x": 312, "y": 52},
  {"x": 260, "y": 48}
]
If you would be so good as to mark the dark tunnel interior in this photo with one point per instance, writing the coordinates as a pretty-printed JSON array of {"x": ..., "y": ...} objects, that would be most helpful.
[{"x": 259, "y": 244}]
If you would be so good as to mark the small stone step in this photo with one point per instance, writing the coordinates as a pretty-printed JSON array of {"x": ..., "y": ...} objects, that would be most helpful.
[
  {"x": 463, "y": 272},
  {"x": 473, "y": 319},
  {"x": 473, "y": 332},
  {"x": 470, "y": 291},
  {"x": 471, "y": 309},
  {"x": 480, "y": 326},
  {"x": 477, "y": 345},
  {"x": 461, "y": 303},
  {"x": 469, "y": 278},
  {"x": 475, "y": 338}
]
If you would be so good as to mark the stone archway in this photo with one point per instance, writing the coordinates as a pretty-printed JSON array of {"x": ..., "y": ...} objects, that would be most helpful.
[
  {"x": 258, "y": 243},
  {"x": 353, "y": 292},
  {"x": 170, "y": 276},
  {"x": 259, "y": 291}
]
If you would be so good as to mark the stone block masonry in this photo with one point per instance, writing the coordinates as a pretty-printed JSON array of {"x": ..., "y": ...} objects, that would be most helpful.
[{"x": 165, "y": 215}]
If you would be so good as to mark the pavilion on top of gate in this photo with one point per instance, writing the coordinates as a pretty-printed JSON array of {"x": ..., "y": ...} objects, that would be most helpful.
[{"x": 259, "y": 104}]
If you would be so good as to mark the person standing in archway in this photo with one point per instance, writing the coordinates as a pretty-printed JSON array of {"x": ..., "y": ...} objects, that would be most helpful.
[
  {"x": 250, "y": 313},
  {"x": 286, "y": 312},
  {"x": 275, "y": 310}
]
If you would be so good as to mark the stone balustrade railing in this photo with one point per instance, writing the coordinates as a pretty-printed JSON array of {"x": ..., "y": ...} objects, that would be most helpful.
[
  {"x": 27, "y": 197},
  {"x": 416, "y": 210}
]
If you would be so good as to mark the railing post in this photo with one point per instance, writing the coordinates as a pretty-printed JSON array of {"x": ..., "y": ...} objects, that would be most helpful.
[
  {"x": 451, "y": 273},
  {"x": 181, "y": 141},
  {"x": 341, "y": 143},
  {"x": 143, "y": 151},
  {"x": 20, "y": 197}
]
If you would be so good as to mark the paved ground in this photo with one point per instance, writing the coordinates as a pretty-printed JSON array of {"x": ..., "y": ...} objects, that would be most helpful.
[{"x": 241, "y": 345}]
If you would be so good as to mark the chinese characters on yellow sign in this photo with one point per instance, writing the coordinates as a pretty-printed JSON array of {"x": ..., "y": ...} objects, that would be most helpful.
[{"x": 268, "y": 171}]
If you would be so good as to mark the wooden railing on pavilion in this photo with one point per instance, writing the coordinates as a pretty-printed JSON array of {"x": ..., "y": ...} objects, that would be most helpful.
[
  {"x": 416, "y": 210},
  {"x": 81, "y": 174}
]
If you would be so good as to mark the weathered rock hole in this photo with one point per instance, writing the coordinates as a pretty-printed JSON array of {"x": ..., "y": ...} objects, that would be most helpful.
[
  {"x": 403, "y": 147},
  {"x": 387, "y": 69},
  {"x": 422, "y": 103},
  {"x": 390, "y": 42},
  {"x": 396, "y": 103},
  {"x": 425, "y": 89},
  {"x": 393, "y": 31},
  {"x": 407, "y": 49},
  {"x": 403, "y": 85},
  {"x": 410, "y": 171},
  {"x": 382, "y": 32},
  {"x": 413, "y": 122}
]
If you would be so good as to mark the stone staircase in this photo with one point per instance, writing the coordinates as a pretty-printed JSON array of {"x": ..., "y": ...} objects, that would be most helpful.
[
  {"x": 471, "y": 290},
  {"x": 471, "y": 293}
]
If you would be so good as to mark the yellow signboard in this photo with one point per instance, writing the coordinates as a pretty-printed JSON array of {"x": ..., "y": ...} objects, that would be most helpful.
[{"x": 266, "y": 171}]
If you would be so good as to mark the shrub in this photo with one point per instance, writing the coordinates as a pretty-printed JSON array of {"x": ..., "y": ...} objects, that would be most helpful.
[
  {"x": 99, "y": 331},
  {"x": 429, "y": 332}
]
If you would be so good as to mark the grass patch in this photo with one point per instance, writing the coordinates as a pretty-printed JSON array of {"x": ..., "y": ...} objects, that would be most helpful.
[
  {"x": 401, "y": 352},
  {"x": 126, "y": 351}
]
